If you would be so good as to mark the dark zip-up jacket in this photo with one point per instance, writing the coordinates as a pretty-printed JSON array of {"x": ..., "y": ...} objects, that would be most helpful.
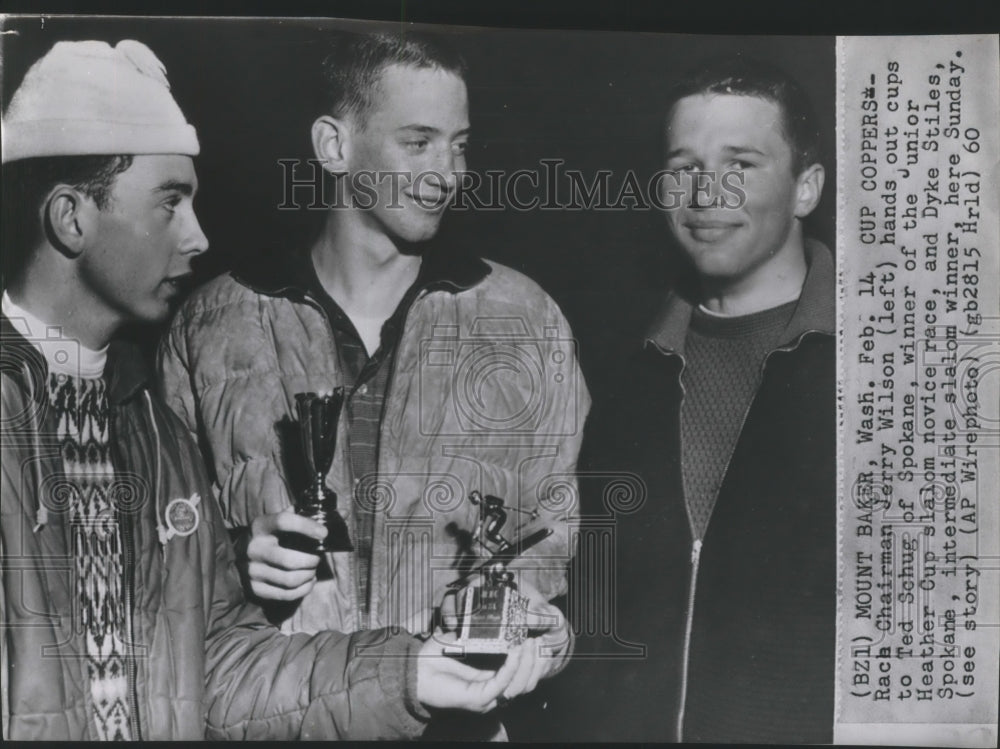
[
  {"x": 202, "y": 662},
  {"x": 738, "y": 627}
]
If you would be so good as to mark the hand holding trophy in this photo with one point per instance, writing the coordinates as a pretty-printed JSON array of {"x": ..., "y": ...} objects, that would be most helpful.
[{"x": 318, "y": 419}]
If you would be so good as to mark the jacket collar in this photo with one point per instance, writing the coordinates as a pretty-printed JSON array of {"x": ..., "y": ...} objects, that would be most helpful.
[
  {"x": 442, "y": 267},
  {"x": 126, "y": 372},
  {"x": 815, "y": 311}
]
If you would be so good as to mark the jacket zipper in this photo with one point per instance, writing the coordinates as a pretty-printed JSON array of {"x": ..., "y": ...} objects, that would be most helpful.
[
  {"x": 695, "y": 558},
  {"x": 128, "y": 581},
  {"x": 693, "y": 580},
  {"x": 697, "y": 543}
]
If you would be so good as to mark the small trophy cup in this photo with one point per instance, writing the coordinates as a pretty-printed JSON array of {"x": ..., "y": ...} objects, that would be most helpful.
[
  {"x": 318, "y": 417},
  {"x": 493, "y": 615}
]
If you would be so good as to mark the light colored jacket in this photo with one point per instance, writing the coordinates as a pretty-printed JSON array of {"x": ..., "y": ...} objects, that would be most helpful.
[{"x": 486, "y": 394}]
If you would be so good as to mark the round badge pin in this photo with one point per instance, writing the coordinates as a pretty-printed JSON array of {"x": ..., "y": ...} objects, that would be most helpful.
[{"x": 182, "y": 516}]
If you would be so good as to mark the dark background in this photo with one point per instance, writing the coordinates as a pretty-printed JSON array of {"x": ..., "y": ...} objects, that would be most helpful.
[{"x": 591, "y": 98}]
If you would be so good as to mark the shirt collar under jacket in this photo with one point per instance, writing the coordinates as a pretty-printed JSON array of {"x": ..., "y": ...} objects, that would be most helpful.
[{"x": 442, "y": 267}]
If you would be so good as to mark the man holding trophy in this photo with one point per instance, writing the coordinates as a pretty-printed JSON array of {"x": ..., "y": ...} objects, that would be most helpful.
[
  {"x": 121, "y": 613},
  {"x": 458, "y": 376}
]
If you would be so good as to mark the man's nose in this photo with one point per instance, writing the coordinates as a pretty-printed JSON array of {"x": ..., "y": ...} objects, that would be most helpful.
[
  {"x": 448, "y": 166},
  {"x": 195, "y": 242},
  {"x": 706, "y": 191}
]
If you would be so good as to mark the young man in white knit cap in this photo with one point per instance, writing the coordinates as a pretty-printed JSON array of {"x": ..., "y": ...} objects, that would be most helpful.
[{"x": 121, "y": 611}]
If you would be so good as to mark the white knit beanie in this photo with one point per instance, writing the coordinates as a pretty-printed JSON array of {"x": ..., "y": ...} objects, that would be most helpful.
[{"x": 87, "y": 98}]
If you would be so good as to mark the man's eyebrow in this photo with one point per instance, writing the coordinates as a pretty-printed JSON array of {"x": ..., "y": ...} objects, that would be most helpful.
[
  {"x": 184, "y": 188},
  {"x": 728, "y": 149},
  {"x": 744, "y": 149},
  {"x": 677, "y": 152},
  {"x": 430, "y": 130}
]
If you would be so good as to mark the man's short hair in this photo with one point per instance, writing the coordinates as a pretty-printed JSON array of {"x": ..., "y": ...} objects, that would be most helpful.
[
  {"x": 27, "y": 182},
  {"x": 354, "y": 62},
  {"x": 743, "y": 77}
]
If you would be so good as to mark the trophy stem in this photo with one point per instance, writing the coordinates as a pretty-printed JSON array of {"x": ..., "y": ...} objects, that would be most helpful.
[{"x": 320, "y": 504}]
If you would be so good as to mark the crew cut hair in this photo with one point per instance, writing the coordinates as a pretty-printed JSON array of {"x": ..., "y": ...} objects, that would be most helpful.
[
  {"x": 749, "y": 77},
  {"x": 354, "y": 63}
]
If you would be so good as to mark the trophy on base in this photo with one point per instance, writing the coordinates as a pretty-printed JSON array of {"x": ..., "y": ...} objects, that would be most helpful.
[
  {"x": 492, "y": 615},
  {"x": 318, "y": 417}
]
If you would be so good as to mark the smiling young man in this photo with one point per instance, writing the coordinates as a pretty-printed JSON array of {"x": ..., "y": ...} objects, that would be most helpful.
[
  {"x": 728, "y": 418},
  {"x": 412, "y": 330},
  {"x": 121, "y": 611}
]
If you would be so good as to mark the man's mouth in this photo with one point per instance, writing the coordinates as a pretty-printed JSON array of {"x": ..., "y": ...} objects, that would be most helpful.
[
  {"x": 178, "y": 283},
  {"x": 710, "y": 230},
  {"x": 430, "y": 201}
]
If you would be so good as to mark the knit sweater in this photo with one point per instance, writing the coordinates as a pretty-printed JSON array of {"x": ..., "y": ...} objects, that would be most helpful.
[
  {"x": 724, "y": 356},
  {"x": 89, "y": 482}
]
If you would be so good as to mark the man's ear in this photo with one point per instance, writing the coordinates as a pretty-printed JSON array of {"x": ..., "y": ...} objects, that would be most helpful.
[
  {"x": 66, "y": 216},
  {"x": 809, "y": 189},
  {"x": 331, "y": 143}
]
